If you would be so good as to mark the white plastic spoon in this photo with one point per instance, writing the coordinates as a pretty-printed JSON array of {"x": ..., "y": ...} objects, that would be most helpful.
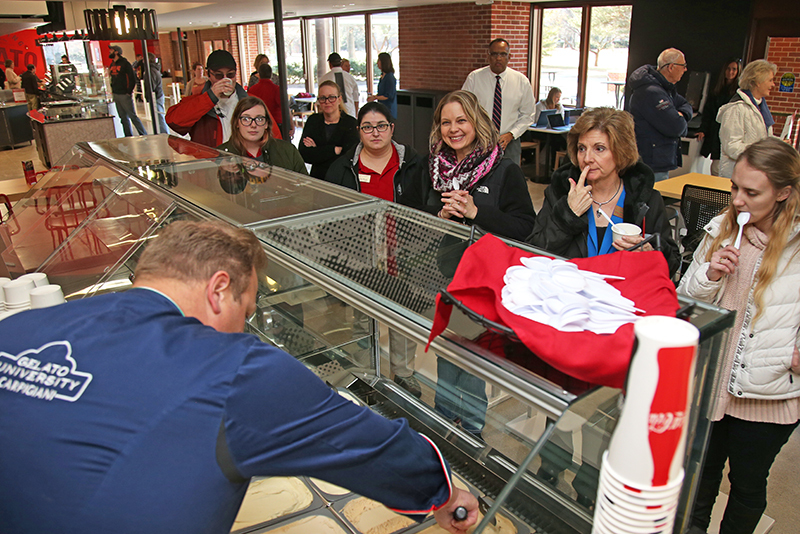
[
  {"x": 612, "y": 223},
  {"x": 741, "y": 220}
]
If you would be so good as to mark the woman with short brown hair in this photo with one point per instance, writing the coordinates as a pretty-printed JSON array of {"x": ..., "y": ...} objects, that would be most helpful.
[{"x": 604, "y": 179}]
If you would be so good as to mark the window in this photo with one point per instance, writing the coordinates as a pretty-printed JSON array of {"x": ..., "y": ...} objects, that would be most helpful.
[
  {"x": 320, "y": 38},
  {"x": 352, "y": 46},
  {"x": 609, "y": 33},
  {"x": 589, "y": 64},
  {"x": 561, "y": 41},
  {"x": 384, "y": 39}
]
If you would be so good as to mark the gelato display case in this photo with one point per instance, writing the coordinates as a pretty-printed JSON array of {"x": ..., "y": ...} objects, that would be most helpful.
[{"x": 350, "y": 291}]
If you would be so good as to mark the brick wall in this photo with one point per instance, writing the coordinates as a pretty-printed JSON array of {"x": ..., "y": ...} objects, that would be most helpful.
[
  {"x": 785, "y": 53},
  {"x": 440, "y": 45}
]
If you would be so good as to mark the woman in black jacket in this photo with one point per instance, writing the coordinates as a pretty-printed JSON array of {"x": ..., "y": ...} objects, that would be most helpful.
[
  {"x": 727, "y": 84},
  {"x": 466, "y": 178},
  {"x": 604, "y": 173},
  {"x": 329, "y": 133}
]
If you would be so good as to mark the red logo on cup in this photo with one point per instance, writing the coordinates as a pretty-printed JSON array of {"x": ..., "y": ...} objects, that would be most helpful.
[{"x": 668, "y": 408}]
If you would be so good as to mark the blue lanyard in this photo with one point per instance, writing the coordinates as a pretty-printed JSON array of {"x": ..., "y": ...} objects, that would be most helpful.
[{"x": 608, "y": 238}]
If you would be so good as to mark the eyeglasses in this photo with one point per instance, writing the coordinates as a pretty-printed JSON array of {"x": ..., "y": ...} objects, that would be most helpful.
[
  {"x": 218, "y": 75},
  {"x": 498, "y": 54},
  {"x": 261, "y": 120},
  {"x": 381, "y": 127},
  {"x": 684, "y": 65},
  {"x": 325, "y": 99}
]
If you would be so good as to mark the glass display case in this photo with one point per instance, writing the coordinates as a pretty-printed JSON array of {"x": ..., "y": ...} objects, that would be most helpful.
[{"x": 350, "y": 292}]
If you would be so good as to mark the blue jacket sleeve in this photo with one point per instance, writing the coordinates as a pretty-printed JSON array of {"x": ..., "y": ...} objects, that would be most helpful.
[
  {"x": 281, "y": 419},
  {"x": 668, "y": 118}
]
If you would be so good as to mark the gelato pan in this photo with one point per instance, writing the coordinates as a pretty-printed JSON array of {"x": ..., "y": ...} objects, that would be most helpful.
[
  {"x": 314, "y": 524},
  {"x": 328, "y": 488},
  {"x": 268, "y": 498},
  {"x": 371, "y": 517}
]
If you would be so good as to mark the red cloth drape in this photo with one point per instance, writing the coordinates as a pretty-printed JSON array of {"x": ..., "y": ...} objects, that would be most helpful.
[{"x": 597, "y": 358}]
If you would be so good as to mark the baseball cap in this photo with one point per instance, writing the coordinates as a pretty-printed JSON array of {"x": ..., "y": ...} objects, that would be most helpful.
[
  {"x": 220, "y": 58},
  {"x": 334, "y": 58}
]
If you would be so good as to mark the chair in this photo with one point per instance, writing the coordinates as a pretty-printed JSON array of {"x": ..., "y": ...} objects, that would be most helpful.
[
  {"x": 535, "y": 146},
  {"x": 698, "y": 206},
  {"x": 560, "y": 154}
]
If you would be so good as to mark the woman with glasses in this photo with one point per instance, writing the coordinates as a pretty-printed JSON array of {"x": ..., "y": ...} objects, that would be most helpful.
[
  {"x": 387, "y": 86},
  {"x": 757, "y": 403},
  {"x": 250, "y": 137},
  {"x": 380, "y": 167},
  {"x": 329, "y": 133},
  {"x": 746, "y": 118}
]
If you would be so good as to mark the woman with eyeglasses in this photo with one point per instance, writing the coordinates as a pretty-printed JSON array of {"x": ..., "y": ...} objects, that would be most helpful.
[
  {"x": 329, "y": 133},
  {"x": 250, "y": 137},
  {"x": 380, "y": 167},
  {"x": 387, "y": 86}
]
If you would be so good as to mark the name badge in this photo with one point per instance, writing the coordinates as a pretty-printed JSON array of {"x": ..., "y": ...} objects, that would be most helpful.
[{"x": 364, "y": 177}]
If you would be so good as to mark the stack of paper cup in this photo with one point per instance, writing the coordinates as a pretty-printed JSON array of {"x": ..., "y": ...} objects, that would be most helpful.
[
  {"x": 46, "y": 296},
  {"x": 642, "y": 471},
  {"x": 3, "y": 281},
  {"x": 17, "y": 294}
]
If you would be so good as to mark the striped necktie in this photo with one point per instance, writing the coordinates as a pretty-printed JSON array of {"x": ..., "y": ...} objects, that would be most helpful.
[{"x": 497, "y": 109}]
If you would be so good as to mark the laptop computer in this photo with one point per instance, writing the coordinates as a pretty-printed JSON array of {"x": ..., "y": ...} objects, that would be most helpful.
[
  {"x": 542, "y": 122},
  {"x": 574, "y": 113},
  {"x": 556, "y": 122}
]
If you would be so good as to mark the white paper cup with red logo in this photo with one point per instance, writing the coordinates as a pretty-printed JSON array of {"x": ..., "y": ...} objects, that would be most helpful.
[
  {"x": 633, "y": 518},
  {"x": 629, "y": 487},
  {"x": 643, "y": 502},
  {"x": 648, "y": 443},
  {"x": 612, "y": 525},
  {"x": 651, "y": 511}
]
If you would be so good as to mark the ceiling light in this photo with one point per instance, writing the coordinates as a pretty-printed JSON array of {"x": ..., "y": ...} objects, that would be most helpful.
[{"x": 120, "y": 23}]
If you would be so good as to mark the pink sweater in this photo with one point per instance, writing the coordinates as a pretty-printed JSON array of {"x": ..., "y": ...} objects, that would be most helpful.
[{"x": 736, "y": 294}]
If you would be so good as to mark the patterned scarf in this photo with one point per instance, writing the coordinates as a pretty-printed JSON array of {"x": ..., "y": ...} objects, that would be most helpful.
[{"x": 448, "y": 174}]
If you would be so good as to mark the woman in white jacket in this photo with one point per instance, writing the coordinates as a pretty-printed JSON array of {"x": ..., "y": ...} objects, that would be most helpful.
[
  {"x": 758, "y": 401},
  {"x": 746, "y": 118}
]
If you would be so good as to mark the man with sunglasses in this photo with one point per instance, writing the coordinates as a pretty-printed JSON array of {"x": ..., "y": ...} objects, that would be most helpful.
[
  {"x": 506, "y": 96},
  {"x": 206, "y": 117},
  {"x": 660, "y": 114}
]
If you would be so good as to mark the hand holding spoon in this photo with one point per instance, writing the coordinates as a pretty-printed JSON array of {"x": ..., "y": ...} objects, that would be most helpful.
[{"x": 741, "y": 220}]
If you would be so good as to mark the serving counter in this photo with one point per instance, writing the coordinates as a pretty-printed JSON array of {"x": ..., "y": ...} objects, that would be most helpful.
[
  {"x": 61, "y": 126},
  {"x": 344, "y": 270}
]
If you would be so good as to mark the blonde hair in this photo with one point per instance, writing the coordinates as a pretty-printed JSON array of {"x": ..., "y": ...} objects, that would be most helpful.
[
  {"x": 331, "y": 83},
  {"x": 756, "y": 72},
  {"x": 781, "y": 165},
  {"x": 548, "y": 103},
  {"x": 617, "y": 125},
  {"x": 486, "y": 136}
]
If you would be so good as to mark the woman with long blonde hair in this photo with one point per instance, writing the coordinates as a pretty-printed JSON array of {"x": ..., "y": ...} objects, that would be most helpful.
[{"x": 758, "y": 402}]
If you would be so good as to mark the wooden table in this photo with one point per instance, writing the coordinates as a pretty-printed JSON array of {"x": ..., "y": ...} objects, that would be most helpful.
[{"x": 672, "y": 188}]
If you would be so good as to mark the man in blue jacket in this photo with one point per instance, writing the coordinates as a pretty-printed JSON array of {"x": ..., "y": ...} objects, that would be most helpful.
[
  {"x": 149, "y": 410},
  {"x": 660, "y": 114}
]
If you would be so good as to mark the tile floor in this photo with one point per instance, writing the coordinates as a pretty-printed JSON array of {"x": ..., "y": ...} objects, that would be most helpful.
[{"x": 784, "y": 491}]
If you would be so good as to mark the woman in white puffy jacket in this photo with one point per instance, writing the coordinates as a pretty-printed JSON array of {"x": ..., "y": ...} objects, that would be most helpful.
[
  {"x": 746, "y": 118},
  {"x": 758, "y": 401}
]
